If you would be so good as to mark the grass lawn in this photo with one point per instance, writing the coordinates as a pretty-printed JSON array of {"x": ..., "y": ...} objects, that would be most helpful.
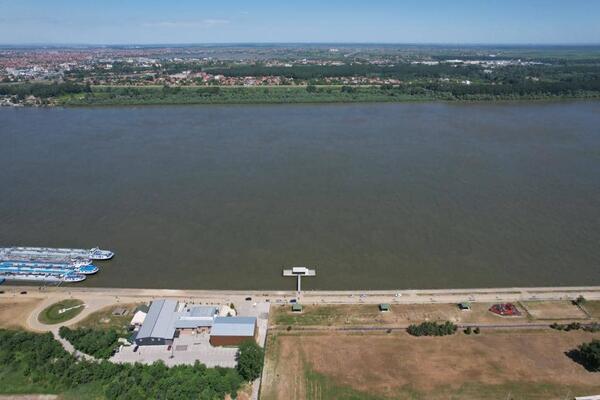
[
  {"x": 52, "y": 315},
  {"x": 104, "y": 319},
  {"x": 89, "y": 391}
]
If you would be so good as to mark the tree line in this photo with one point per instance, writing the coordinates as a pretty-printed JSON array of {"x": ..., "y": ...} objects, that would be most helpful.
[
  {"x": 40, "y": 360},
  {"x": 96, "y": 343},
  {"x": 43, "y": 90}
]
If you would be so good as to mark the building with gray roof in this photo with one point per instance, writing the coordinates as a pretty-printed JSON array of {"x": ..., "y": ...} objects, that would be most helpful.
[
  {"x": 158, "y": 328},
  {"x": 231, "y": 331}
]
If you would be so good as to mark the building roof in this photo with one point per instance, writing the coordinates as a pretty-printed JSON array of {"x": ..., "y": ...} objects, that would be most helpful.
[
  {"x": 194, "y": 317},
  {"x": 159, "y": 320},
  {"x": 233, "y": 326},
  {"x": 138, "y": 318}
]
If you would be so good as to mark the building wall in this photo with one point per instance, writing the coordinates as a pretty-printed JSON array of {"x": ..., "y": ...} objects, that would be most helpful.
[
  {"x": 228, "y": 340},
  {"x": 153, "y": 342},
  {"x": 231, "y": 340}
]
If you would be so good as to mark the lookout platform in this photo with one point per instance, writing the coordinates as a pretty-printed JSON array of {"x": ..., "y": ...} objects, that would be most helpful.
[{"x": 299, "y": 272}]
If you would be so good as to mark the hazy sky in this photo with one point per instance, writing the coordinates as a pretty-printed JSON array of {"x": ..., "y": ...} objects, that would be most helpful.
[{"x": 393, "y": 21}]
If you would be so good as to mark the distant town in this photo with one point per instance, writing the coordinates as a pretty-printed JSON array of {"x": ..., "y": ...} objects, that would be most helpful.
[{"x": 311, "y": 73}]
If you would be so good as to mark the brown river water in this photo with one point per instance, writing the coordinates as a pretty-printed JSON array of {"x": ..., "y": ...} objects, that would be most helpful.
[{"x": 375, "y": 196}]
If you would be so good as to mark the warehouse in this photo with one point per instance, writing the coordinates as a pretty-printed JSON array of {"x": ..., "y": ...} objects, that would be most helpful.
[
  {"x": 231, "y": 331},
  {"x": 158, "y": 327}
]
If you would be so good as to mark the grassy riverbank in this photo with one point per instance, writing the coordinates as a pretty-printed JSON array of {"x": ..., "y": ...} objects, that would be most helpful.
[{"x": 158, "y": 95}]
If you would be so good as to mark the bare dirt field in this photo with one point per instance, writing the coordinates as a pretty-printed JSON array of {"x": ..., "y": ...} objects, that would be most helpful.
[
  {"x": 559, "y": 310},
  {"x": 528, "y": 364},
  {"x": 399, "y": 315},
  {"x": 15, "y": 310}
]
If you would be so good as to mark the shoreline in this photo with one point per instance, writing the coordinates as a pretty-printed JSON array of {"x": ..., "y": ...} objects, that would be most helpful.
[{"x": 407, "y": 296}]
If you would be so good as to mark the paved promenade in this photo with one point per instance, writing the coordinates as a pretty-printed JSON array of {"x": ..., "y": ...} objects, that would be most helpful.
[{"x": 421, "y": 296}]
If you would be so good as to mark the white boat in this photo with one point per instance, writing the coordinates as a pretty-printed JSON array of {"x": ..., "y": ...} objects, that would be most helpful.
[
  {"x": 50, "y": 278},
  {"x": 49, "y": 252},
  {"x": 87, "y": 269}
]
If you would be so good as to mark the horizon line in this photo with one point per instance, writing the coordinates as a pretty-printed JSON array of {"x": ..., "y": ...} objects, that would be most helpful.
[{"x": 266, "y": 43}]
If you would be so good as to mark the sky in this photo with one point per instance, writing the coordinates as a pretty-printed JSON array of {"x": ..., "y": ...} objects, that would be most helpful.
[{"x": 284, "y": 21}]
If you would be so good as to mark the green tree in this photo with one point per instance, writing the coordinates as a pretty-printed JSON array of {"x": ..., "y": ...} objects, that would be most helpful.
[
  {"x": 250, "y": 358},
  {"x": 590, "y": 354}
]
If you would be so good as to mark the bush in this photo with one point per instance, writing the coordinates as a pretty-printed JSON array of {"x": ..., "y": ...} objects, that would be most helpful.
[
  {"x": 250, "y": 358},
  {"x": 590, "y": 354},
  {"x": 580, "y": 300},
  {"x": 477, "y": 331},
  {"x": 432, "y": 329}
]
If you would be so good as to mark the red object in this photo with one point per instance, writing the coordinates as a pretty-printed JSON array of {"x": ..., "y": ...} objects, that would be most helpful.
[{"x": 507, "y": 309}]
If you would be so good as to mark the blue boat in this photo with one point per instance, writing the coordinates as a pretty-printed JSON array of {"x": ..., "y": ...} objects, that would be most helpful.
[{"x": 44, "y": 267}]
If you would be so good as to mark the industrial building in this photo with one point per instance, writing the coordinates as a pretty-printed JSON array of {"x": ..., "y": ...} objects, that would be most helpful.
[
  {"x": 231, "y": 331},
  {"x": 168, "y": 319},
  {"x": 158, "y": 328}
]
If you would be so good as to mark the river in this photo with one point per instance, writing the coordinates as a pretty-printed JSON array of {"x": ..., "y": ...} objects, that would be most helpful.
[{"x": 375, "y": 196}]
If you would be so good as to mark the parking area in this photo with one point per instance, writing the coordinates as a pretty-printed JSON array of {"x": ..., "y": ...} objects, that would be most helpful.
[
  {"x": 186, "y": 349},
  {"x": 261, "y": 312}
]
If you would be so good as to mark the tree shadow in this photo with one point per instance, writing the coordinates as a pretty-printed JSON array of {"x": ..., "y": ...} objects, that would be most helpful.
[{"x": 578, "y": 357}]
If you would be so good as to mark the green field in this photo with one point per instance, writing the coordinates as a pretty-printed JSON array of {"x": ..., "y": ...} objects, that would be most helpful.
[{"x": 52, "y": 315}]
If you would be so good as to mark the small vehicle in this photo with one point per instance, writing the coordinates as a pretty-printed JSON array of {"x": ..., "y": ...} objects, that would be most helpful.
[
  {"x": 248, "y": 298},
  {"x": 135, "y": 349},
  {"x": 292, "y": 300},
  {"x": 1, "y": 291},
  {"x": 169, "y": 348},
  {"x": 23, "y": 292}
]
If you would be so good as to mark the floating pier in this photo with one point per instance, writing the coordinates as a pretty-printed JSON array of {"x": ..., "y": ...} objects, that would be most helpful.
[{"x": 299, "y": 272}]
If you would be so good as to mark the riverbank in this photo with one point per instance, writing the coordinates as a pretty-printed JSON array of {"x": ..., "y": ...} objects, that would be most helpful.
[
  {"x": 120, "y": 95},
  {"x": 117, "y": 96},
  {"x": 106, "y": 296},
  {"x": 341, "y": 316}
]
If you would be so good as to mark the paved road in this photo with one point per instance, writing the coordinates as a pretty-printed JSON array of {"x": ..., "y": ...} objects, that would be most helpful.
[{"x": 318, "y": 297}]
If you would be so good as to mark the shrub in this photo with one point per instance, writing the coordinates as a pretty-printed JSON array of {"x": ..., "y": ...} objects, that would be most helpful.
[
  {"x": 468, "y": 330},
  {"x": 432, "y": 329},
  {"x": 590, "y": 354}
]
